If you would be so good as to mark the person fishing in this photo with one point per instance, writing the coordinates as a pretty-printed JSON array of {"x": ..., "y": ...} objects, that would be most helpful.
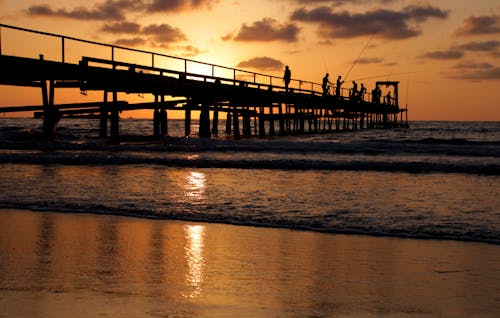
[
  {"x": 354, "y": 90},
  {"x": 325, "y": 86},
  {"x": 339, "y": 84}
]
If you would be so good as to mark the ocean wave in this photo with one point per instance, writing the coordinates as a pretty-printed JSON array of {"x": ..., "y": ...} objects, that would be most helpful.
[
  {"x": 310, "y": 224},
  {"x": 270, "y": 161}
]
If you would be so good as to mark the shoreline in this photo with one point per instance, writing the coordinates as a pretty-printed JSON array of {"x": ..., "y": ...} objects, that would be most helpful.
[
  {"x": 89, "y": 265},
  {"x": 257, "y": 225}
]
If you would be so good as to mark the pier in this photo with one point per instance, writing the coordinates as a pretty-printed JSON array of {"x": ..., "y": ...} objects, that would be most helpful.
[{"x": 253, "y": 104}]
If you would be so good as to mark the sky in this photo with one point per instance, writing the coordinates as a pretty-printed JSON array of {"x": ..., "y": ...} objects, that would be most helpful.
[{"x": 446, "y": 54}]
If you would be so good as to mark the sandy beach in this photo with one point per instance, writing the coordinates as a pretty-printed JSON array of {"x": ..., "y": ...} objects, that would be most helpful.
[{"x": 84, "y": 265}]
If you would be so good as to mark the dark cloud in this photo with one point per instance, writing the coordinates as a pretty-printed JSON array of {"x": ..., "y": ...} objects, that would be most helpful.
[
  {"x": 159, "y": 35},
  {"x": 444, "y": 55},
  {"x": 107, "y": 10},
  {"x": 369, "y": 60},
  {"x": 486, "y": 24},
  {"x": 136, "y": 41},
  {"x": 164, "y": 33},
  {"x": 115, "y": 10},
  {"x": 388, "y": 24},
  {"x": 341, "y": 2},
  {"x": 487, "y": 46},
  {"x": 178, "y": 5},
  {"x": 478, "y": 75},
  {"x": 262, "y": 63},
  {"x": 189, "y": 51},
  {"x": 121, "y": 27},
  {"x": 268, "y": 29},
  {"x": 473, "y": 65}
]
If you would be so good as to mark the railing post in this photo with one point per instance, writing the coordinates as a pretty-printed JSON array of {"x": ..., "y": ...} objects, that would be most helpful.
[
  {"x": 185, "y": 66},
  {"x": 213, "y": 70},
  {"x": 0, "y": 40},
  {"x": 152, "y": 60},
  {"x": 234, "y": 76},
  {"x": 62, "y": 48},
  {"x": 113, "y": 56}
]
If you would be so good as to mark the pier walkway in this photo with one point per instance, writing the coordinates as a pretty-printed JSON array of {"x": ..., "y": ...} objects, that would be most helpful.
[{"x": 258, "y": 103}]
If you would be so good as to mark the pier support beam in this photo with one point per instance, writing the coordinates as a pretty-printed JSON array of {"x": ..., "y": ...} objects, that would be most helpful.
[
  {"x": 103, "y": 117},
  {"x": 115, "y": 120},
  {"x": 228, "y": 123},
  {"x": 236, "y": 124},
  {"x": 187, "y": 122},
  {"x": 204, "y": 121},
  {"x": 215, "y": 120},
  {"x": 50, "y": 113}
]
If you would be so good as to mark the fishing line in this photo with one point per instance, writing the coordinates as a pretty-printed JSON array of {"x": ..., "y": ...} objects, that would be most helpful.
[{"x": 360, "y": 53}]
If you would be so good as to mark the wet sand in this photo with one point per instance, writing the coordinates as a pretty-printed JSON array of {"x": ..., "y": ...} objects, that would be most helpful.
[{"x": 83, "y": 265}]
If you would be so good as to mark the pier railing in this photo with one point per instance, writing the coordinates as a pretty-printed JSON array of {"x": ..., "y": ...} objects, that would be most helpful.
[{"x": 187, "y": 66}]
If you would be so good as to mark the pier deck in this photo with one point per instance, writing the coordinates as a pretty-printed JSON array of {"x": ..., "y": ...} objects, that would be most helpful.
[{"x": 251, "y": 99}]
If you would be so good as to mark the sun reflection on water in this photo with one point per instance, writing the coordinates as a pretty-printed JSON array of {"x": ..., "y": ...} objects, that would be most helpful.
[
  {"x": 195, "y": 185},
  {"x": 195, "y": 235}
]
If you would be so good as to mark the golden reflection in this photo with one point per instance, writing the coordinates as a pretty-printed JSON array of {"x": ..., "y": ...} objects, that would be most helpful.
[
  {"x": 195, "y": 185},
  {"x": 195, "y": 235}
]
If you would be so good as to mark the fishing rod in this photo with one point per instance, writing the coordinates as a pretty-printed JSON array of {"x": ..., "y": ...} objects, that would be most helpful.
[{"x": 360, "y": 53}]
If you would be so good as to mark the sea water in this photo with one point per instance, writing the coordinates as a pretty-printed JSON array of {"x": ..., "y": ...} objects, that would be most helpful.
[{"x": 433, "y": 180}]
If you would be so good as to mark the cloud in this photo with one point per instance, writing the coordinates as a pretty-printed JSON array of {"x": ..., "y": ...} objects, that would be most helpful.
[
  {"x": 136, "y": 41},
  {"x": 107, "y": 10},
  {"x": 164, "y": 33},
  {"x": 116, "y": 10},
  {"x": 487, "y": 46},
  {"x": 387, "y": 24},
  {"x": 266, "y": 30},
  {"x": 178, "y": 5},
  {"x": 478, "y": 75},
  {"x": 370, "y": 60},
  {"x": 481, "y": 25},
  {"x": 190, "y": 51},
  {"x": 473, "y": 65},
  {"x": 159, "y": 35},
  {"x": 262, "y": 63},
  {"x": 444, "y": 55},
  {"x": 121, "y": 27}
]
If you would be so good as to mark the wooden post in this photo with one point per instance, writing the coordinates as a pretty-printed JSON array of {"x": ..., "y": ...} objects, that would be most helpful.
[
  {"x": 187, "y": 122},
  {"x": 115, "y": 120},
  {"x": 271, "y": 121},
  {"x": 103, "y": 117},
  {"x": 247, "y": 130},
  {"x": 50, "y": 113},
  {"x": 236, "y": 124},
  {"x": 215, "y": 120},
  {"x": 163, "y": 122},
  {"x": 204, "y": 128},
  {"x": 281, "y": 119},
  {"x": 228, "y": 122},
  {"x": 262, "y": 128}
]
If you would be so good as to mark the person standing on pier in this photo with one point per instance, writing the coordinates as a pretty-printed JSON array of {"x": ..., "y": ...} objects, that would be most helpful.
[
  {"x": 287, "y": 77},
  {"x": 339, "y": 84},
  {"x": 325, "y": 86},
  {"x": 354, "y": 91},
  {"x": 362, "y": 92}
]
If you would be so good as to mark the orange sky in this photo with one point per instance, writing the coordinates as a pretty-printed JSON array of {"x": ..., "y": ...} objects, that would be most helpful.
[{"x": 446, "y": 55}]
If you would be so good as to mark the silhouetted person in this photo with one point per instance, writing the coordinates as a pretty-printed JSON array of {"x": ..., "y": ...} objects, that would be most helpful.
[
  {"x": 287, "y": 77},
  {"x": 339, "y": 84},
  {"x": 388, "y": 98},
  {"x": 354, "y": 91},
  {"x": 326, "y": 81},
  {"x": 362, "y": 92}
]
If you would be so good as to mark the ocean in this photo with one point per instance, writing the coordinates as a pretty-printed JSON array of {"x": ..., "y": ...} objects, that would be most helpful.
[{"x": 434, "y": 180}]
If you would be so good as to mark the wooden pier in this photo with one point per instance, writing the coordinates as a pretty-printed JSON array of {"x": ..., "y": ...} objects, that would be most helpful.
[{"x": 254, "y": 104}]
